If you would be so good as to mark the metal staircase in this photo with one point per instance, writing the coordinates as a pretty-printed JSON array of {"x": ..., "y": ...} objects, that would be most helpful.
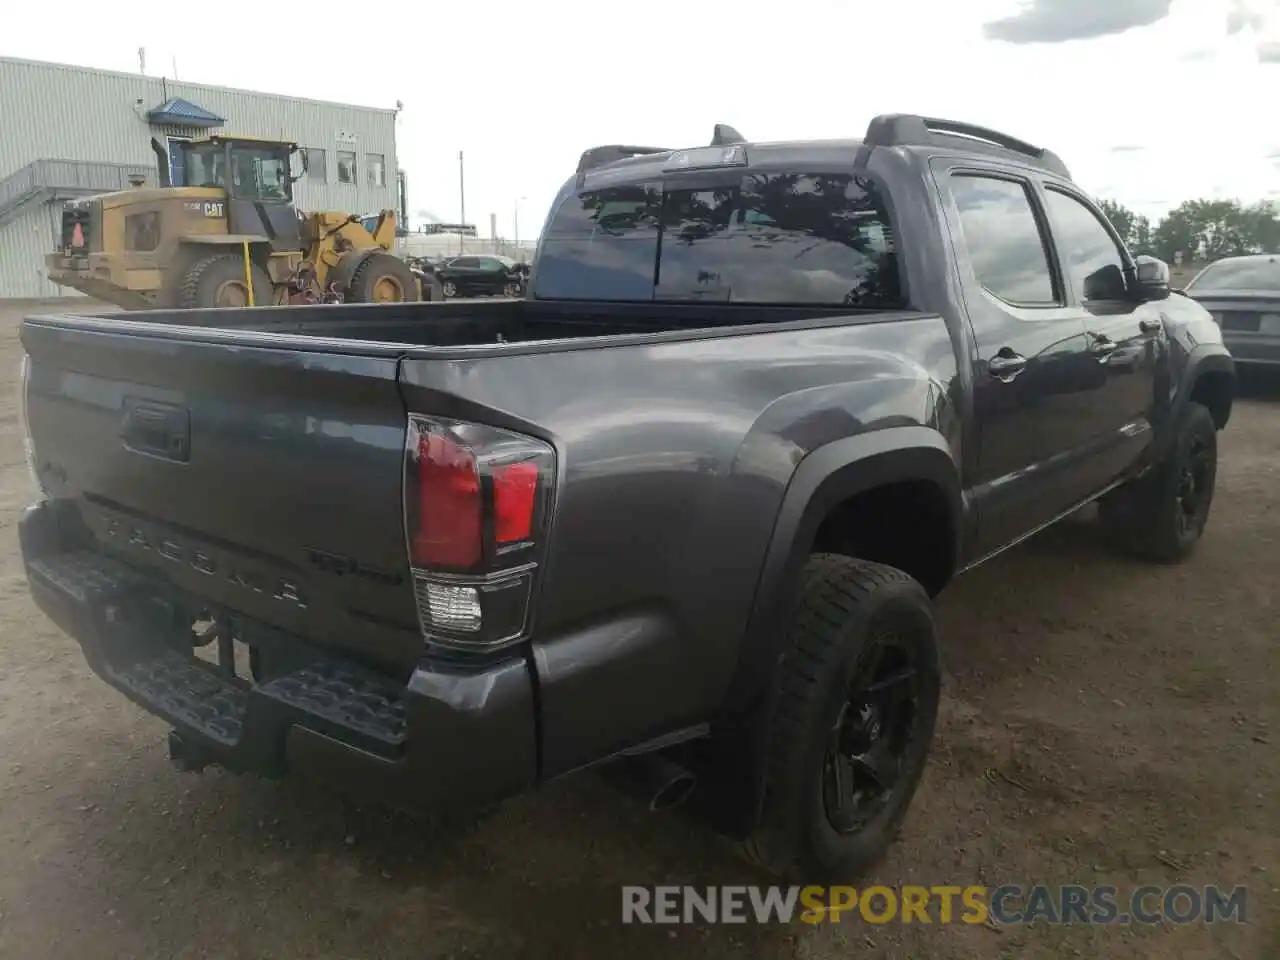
[{"x": 48, "y": 180}]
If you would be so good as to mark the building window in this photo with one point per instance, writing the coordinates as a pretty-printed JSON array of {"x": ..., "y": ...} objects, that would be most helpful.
[
  {"x": 316, "y": 168},
  {"x": 346, "y": 166},
  {"x": 377, "y": 170}
]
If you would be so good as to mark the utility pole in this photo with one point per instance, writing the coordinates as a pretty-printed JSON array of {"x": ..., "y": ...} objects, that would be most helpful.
[{"x": 462, "y": 198}]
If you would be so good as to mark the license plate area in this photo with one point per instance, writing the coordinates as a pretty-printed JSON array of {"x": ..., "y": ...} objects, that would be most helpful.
[
  {"x": 1241, "y": 321},
  {"x": 215, "y": 641}
]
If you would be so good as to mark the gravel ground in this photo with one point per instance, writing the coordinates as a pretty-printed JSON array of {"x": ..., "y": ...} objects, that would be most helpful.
[{"x": 1103, "y": 722}]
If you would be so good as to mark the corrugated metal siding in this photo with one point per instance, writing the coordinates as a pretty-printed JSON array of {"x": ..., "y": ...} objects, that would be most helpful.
[
  {"x": 51, "y": 111},
  {"x": 24, "y": 241}
]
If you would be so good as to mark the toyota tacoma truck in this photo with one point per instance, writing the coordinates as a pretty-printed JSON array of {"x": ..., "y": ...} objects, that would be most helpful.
[{"x": 678, "y": 513}]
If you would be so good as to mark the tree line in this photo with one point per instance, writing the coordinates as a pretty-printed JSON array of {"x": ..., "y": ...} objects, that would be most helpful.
[{"x": 1199, "y": 230}]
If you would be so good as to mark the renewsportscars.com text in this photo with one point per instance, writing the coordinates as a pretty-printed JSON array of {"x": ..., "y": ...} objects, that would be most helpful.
[{"x": 1007, "y": 904}]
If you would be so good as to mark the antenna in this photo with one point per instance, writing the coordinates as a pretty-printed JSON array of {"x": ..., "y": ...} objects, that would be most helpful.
[
  {"x": 175, "y": 66},
  {"x": 142, "y": 60},
  {"x": 725, "y": 135}
]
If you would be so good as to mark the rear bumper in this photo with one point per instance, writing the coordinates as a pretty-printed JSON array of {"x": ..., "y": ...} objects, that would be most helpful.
[
  {"x": 1252, "y": 348},
  {"x": 448, "y": 738}
]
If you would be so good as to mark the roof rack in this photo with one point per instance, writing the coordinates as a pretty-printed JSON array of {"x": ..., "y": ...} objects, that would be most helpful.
[{"x": 906, "y": 129}]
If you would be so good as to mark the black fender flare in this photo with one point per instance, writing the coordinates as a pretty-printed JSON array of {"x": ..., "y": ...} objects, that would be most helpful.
[
  {"x": 1203, "y": 359},
  {"x": 825, "y": 478}
]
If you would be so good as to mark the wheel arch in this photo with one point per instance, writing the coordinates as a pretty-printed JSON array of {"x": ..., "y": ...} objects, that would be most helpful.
[
  {"x": 912, "y": 468},
  {"x": 1206, "y": 374},
  {"x": 1212, "y": 382},
  {"x": 191, "y": 250}
]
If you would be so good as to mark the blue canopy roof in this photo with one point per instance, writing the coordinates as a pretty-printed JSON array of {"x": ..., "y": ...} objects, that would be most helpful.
[{"x": 183, "y": 113}]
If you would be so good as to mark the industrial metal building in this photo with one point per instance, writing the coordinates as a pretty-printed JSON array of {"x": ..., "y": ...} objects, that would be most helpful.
[{"x": 72, "y": 131}]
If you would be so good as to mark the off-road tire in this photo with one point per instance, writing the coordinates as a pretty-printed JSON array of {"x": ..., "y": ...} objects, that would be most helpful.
[
  {"x": 841, "y": 603},
  {"x": 1142, "y": 518},
  {"x": 378, "y": 267},
  {"x": 204, "y": 278}
]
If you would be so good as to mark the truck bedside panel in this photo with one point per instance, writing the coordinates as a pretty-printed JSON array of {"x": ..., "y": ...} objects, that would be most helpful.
[{"x": 673, "y": 460}]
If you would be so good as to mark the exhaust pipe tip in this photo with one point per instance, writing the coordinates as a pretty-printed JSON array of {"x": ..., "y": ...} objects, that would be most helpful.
[
  {"x": 653, "y": 779},
  {"x": 674, "y": 793}
]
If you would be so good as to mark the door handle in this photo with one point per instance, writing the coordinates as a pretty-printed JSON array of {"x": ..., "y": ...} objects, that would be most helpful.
[
  {"x": 1148, "y": 325},
  {"x": 1102, "y": 346},
  {"x": 1004, "y": 366}
]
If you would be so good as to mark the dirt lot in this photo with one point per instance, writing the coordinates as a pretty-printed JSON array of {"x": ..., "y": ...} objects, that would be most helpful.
[{"x": 1104, "y": 722}]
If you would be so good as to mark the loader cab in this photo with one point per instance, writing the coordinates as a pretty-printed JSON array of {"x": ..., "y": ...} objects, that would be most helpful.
[
  {"x": 257, "y": 177},
  {"x": 254, "y": 170}
]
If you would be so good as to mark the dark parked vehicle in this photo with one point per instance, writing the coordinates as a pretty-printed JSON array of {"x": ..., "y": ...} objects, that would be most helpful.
[
  {"x": 482, "y": 276},
  {"x": 1243, "y": 294},
  {"x": 678, "y": 514}
]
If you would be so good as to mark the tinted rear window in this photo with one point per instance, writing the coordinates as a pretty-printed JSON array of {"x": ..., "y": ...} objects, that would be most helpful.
[
  {"x": 601, "y": 245},
  {"x": 771, "y": 238},
  {"x": 1252, "y": 275}
]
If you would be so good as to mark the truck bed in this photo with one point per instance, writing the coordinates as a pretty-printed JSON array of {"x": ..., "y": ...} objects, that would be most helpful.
[
  {"x": 479, "y": 322},
  {"x": 290, "y": 425}
]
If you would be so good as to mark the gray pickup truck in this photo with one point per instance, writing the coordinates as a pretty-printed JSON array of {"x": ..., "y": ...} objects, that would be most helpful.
[{"x": 677, "y": 514}]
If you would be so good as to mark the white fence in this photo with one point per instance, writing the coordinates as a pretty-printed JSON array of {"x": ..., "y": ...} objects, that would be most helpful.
[{"x": 436, "y": 245}]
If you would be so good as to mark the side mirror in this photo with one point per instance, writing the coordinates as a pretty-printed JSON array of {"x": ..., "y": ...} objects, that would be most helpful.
[
  {"x": 1105, "y": 283},
  {"x": 1151, "y": 278}
]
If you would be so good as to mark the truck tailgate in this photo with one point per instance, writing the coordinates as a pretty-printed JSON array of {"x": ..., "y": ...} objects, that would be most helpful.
[{"x": 263, "y": 478}]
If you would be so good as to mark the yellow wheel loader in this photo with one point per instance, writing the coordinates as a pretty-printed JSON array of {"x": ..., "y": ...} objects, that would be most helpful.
[{"x": 229, "y": 237}]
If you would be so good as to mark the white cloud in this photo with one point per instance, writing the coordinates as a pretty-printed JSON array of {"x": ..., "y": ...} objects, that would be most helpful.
[{"x": 524, "y": 87}]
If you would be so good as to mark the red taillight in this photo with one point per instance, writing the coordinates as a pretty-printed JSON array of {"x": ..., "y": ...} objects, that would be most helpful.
[
  {"x": 476, "y": 508},
  {"x": 515, "y": 497},
  {"x": 448, "y": 531},
  {"x": 77, "y": 236}
]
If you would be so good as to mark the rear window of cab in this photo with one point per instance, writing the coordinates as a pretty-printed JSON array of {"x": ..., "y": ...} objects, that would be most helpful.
[{"x": 772, "y": 238}]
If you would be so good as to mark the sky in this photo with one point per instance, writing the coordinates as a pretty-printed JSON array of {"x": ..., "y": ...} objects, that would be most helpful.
[{"x": 1149, "y": 102}]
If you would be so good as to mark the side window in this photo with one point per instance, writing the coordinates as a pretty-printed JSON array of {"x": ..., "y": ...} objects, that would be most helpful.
[
  {"x": 602, "y": 245},
  {"x": 1091, "y": 256},
  {"x": 462, "y": 262},
  {"x": 797, "y": 238},
  {"x": 1003, "y": 239},
  {"x": 142, "y": 231}
]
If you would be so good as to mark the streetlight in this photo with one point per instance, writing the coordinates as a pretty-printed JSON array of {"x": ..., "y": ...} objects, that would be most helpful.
[{"x": 515, "y": 218}]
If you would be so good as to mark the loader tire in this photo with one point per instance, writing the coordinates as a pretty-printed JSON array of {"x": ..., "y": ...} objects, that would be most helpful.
[
  {"x": 382, "y": 278},
  {"x": 218, "y": 281}
]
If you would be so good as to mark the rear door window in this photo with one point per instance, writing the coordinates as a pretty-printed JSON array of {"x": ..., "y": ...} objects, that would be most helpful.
[{"x": 1003, "y": 238}]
